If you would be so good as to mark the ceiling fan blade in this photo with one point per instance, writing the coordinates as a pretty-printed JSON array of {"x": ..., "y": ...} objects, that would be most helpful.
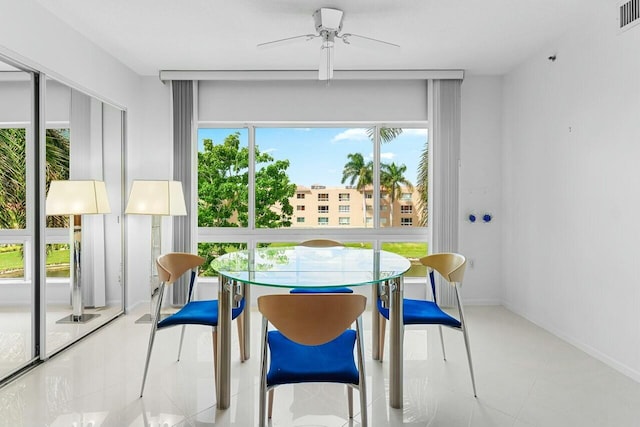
[
  {"x": 288, "y": 39},
  {"x": 347, "y": 36}
]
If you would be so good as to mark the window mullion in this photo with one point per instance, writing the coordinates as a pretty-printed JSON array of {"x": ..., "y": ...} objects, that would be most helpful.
[{"x": 252, "y": 177}]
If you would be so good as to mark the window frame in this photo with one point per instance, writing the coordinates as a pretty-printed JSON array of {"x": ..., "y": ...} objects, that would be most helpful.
[{"x": 371, "y": 232}]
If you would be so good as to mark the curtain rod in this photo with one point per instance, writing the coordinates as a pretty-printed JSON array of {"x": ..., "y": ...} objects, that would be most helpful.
[{"x": 257, "y": 75}]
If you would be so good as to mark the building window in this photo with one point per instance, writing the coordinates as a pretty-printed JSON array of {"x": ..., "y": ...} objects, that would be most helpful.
[
  {"x": 368, "y": 195},
  {"x": 369, "y": 220},
  {"x": 343, "y": 220},
  {"x": 323, "y": 209},
  {"x": 323, "y": 220},
  {"x": 300, "y": 196},
  {"x": 323, "y": 197},
  {"x": 406, "y": 197},
  {"x": 383, "y": 221},
  {"x": 407, "y": 209},
  {"x": 383, "y": 208},
  {"x": 406, "y": 222},
  {"x": 300, "y": 219},
  {"x": 299, "y": 207},
  {"x": 344, "y": 209},
  {"x": 343, "y": 197}
]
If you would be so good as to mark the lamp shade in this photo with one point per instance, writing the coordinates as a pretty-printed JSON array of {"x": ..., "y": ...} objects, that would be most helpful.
[
  {"x": 156, "y": 198},
  {"x": 77, "y": 198}
]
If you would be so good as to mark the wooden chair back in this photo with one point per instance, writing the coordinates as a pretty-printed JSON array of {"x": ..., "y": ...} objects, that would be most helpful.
[
  {"x": 312, "y": 319},
  {"x": 451, "y": 266},
  {"x": 173, "y": 265}
]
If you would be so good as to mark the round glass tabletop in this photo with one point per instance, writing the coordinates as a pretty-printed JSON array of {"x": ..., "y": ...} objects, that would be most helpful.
[{"x": 301, "y": 266}]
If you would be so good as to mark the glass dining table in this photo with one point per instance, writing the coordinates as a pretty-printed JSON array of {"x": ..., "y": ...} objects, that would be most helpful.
[{"x": 310, "y": 267}]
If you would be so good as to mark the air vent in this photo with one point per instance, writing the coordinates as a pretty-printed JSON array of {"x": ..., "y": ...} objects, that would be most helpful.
[{"x": 629, "y": 14}]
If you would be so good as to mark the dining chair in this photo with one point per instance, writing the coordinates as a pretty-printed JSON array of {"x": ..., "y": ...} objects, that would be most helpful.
[
  {"x": 321, "y": 243},
  {"x": 171, "y": 267},
  {"x": 312, "y": 342},
  {"x": 451, "y": 267}
]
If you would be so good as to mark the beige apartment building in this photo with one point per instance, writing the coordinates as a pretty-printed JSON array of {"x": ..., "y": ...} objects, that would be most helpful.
[{"x": 322, "y": 206}]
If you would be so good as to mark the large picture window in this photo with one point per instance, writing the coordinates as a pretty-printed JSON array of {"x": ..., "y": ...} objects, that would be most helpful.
[{"x": 308, "y": 178}]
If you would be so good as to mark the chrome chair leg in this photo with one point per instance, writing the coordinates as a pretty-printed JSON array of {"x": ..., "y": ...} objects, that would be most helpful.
[
  {"x": 444, "y": 355},
  {"x": 362, "y": 387},
  {"x": 181, "y": 340},
  {"x": 263, "y": 377},
  {"x": 466, "y": 343},
  {"x": 152, "y": 336}
]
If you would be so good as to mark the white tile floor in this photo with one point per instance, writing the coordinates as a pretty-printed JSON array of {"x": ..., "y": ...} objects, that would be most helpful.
[{"x": 525, "y": 376}]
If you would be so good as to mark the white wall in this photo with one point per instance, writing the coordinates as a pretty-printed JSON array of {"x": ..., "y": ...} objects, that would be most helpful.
[
  {"x": 480, "y": 187},
  {"x": 570, "y": 201}
]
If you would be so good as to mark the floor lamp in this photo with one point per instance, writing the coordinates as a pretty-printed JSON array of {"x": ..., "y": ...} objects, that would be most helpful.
[
  {"x": 158, "y": 199},
  {"x": 77, "y": 198}
]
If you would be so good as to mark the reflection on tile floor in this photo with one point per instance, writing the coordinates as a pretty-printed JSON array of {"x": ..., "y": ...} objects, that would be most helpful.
[
  {"x": 16, "y": 332},
  {"x": 525, "y": 376}
]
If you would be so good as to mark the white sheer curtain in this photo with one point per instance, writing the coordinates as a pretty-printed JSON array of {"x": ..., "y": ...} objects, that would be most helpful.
[
  {"x": 183, "y": 112},
  {"x": 445, "y": 143},
  {"x": 86, "y": 162}
]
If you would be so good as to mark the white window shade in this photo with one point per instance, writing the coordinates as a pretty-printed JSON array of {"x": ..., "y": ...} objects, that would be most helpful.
[{"x": 308, "y": 100}]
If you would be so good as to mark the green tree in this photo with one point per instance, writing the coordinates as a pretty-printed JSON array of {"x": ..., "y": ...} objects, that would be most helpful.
[
  {"x": 223, "y": 190},
  {"x": 359, "y": 173},
  {"x": 13, "y": 174},
  {"x": 392, "y": 179}
]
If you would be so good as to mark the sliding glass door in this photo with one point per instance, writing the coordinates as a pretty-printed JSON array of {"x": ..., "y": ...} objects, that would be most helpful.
[{"x": 51, "y": 131}]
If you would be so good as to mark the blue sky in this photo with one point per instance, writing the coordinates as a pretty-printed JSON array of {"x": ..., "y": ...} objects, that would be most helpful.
[{"x": 318, "y": 155}]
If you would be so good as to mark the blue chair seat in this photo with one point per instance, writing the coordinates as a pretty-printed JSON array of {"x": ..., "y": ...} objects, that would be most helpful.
[
  {"x": 296, "y": 363},
  {"x": 420, "y": 312},
  {"x": 324, "y": 290},
  {"x": 198, "y": 313}
]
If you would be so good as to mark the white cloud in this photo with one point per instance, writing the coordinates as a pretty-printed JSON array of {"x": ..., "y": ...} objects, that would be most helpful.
[
  {"x": 418, "y": 132},
  {"x": 387, "y": 156},
  {"x": 270, "y": 150},
  {"x": 352, "y": 134}
]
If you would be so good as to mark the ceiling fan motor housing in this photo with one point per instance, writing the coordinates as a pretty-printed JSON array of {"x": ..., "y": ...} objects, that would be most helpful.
[{"x": 328, "y": 20}]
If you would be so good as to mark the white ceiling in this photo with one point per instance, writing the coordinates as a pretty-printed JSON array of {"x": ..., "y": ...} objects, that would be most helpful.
[{"x": 480, "y": 36}]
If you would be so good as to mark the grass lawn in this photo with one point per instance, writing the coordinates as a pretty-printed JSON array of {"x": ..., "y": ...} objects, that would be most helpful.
[
  {"x": 407, "y": 250},
  {"x": 12, "y": 260}
]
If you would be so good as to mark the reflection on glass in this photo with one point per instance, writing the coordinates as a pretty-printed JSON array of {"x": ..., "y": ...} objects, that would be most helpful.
[
  {"x": 16, "y": 238},
  {"x": 11, "y": 261},
  {"x": 413, "y": 252},
  {"x": 83, "y": 142},
  {"x": 58, "y": 256},
  {"x": 210, "y": 251}
]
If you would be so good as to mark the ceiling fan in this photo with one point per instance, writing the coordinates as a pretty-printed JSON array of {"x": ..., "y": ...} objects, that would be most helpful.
[{"x": 328, "y": 23}]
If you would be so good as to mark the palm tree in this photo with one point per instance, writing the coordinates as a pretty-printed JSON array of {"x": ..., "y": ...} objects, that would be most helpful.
[
  {"x": 57, "y": 158},
  {"x": 386, "y": 134},
  {"x": 393, "y": 180},
  {"x": 13, "y": 175},
  {"x": 423, "y": 186},
  {"x": 357, "y": 172}
]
